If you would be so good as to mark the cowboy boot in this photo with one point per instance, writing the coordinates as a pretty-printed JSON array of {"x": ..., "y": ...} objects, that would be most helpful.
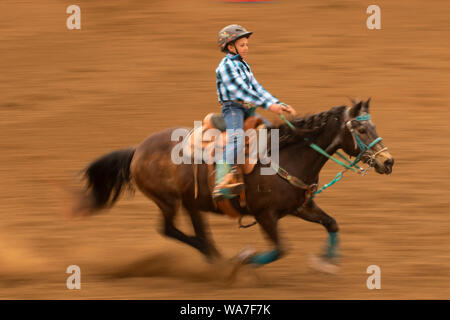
[{"x": 228, "y": 182}]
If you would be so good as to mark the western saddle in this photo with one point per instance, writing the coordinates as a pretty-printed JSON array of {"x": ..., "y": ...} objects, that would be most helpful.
[{"x": 208, "y": 147}]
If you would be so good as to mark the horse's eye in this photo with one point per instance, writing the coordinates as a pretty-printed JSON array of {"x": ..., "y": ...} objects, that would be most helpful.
[{"x": 362, "y": 130}]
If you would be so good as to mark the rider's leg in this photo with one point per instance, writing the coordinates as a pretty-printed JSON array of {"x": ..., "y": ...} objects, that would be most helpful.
[
  {"x": 234, "y": 116},
  {"x": 227, "y": 182}
]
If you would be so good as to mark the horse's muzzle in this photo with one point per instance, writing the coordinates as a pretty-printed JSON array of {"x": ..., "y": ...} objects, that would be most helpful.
[
  {"x": 388, "y": 164},
  {"x": 384, "y": 167}
]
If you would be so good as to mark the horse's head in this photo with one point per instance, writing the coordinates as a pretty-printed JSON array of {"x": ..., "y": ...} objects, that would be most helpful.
[{"x": 361, "y": 139}]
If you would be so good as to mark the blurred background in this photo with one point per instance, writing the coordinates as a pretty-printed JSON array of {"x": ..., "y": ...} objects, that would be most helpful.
[{"x": 137, "y": 67}]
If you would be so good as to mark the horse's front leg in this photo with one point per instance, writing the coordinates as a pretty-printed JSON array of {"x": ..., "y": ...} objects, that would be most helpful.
[
  {"x": 311, "y": 212},
  {"x": 269, "y": 224}
]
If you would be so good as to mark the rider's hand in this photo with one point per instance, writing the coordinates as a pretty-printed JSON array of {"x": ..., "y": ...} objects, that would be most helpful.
[
  {"x": 278, "y": 108},
  {"x": 291, "y": 110}
]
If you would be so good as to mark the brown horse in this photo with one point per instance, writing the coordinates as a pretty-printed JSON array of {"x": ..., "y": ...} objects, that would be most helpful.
[{"x": 269, "y": 197}]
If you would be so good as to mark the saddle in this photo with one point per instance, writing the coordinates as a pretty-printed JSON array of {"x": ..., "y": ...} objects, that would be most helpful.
[{"x": 208, "y": 145}]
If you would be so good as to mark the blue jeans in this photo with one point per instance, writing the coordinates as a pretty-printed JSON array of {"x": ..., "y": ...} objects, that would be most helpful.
[{"x": 234, "y": 115}]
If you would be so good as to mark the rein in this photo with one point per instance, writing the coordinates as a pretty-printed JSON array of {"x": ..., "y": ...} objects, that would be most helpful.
[{"x": 311, "y": 190}]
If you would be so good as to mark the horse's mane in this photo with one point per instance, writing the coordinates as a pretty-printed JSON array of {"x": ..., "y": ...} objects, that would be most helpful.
[{"x": 309, "y": 126}]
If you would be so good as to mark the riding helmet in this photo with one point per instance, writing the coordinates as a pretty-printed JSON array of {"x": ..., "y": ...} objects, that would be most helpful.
[{"x": 231, "y": 33}]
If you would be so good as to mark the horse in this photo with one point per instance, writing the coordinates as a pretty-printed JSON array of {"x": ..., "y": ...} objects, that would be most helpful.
[{"x": 269, "y": 197}]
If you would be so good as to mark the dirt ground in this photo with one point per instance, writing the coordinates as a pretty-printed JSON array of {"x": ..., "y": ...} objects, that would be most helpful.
[{"x": 137, "y": 67}]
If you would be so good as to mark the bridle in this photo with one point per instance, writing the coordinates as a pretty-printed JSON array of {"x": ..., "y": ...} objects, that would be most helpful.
[
  {"x": 311, "y": 189},
  {"x": 359, "y": 143}
]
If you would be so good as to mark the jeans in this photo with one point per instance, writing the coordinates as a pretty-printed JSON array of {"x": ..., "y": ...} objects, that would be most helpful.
[{"x": 234, "y": 115}]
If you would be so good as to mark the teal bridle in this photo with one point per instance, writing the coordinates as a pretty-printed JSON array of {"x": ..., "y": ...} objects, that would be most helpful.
[
  {"x": 348, "y": 164},
  {"x": 362, "y": 146}
]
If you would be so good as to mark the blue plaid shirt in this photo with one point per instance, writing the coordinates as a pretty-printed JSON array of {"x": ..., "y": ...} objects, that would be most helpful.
[{"x": 235, "y": 81}]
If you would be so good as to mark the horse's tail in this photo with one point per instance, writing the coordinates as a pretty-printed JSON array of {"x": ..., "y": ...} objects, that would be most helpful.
[{"x": 105, "y": 179}]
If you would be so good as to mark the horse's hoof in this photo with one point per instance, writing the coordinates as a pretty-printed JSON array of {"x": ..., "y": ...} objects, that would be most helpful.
[
  {"x": 323, "y": 265},
  {"x": 241, "y": 261},
  {"x": 245, "y": 256}
]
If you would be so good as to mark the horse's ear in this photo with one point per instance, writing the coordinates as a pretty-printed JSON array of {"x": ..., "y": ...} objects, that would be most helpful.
[
  {"x": 354, "y": 111},
  {"x": 353, "y": 101},
  {"x": 366, "y": 105}
]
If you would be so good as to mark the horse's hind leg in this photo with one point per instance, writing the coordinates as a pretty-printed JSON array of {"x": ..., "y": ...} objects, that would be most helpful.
[
  {"x": 169, "y": 210},
  {"x": 202, "y": 234},
  {"x": 313, "y": 213}
]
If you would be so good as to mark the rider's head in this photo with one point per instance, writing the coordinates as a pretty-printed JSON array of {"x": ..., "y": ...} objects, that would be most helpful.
[{"x": 234, "y": 39}]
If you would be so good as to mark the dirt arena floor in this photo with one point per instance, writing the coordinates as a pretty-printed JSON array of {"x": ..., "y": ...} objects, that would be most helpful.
[{"x": 137, "y": 67}]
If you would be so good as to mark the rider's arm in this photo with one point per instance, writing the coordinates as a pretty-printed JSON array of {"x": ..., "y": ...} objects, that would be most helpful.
[
  {"x": 236, "y": 85},
  {"x": 259, "y": 88}
]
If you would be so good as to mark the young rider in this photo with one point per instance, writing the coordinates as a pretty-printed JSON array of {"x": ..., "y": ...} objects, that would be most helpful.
[{"x": 236, "y": 87}]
